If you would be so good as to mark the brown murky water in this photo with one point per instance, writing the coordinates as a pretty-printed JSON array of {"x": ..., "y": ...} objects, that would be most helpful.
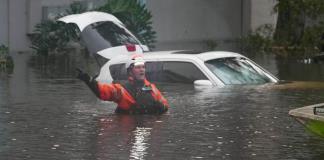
[{"x": 47, "y": 115}]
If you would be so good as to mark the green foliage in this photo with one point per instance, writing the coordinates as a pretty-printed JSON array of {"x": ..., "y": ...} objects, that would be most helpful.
[
  {"x": 136, "y": 17},
  {"x": 9, "y": 64},
  {"x": 4, "y": 56},
  {"x": 210, "y": 44},
  {"x": 313, "y": 8},
  {"x": 52, "y": 35},
  {"x": 291, "y": 21},
  {"x": 294, "y": 8},
  {"x": 258, "y": 41},
  {"x": 315, "y": 126},
  {"x": 299, "y": 30},
  {"x": 313, "y": 37},
  {"x": 75, "y": 8},
  {"x": 4, "y": 50}
]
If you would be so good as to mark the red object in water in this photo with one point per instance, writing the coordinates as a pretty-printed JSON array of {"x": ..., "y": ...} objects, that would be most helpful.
[{"x": 131, "y": 47}]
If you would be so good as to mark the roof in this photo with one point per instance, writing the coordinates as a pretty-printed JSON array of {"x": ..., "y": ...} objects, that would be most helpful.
[{"x": 204, "y": 56}]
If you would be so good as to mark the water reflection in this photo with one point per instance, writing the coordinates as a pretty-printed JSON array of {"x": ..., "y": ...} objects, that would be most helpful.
[
  {"x": 127, "y": 136},
  {"x": 140, "y": 145},
  {"x": 294, "y": 70}
]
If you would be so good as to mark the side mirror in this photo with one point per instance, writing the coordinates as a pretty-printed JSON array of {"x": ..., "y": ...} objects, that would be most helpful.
[{"x": 203, "y": 83}]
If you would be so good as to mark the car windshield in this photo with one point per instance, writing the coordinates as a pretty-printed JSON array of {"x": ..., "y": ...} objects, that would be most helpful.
[{"x": 235, "y": 70}]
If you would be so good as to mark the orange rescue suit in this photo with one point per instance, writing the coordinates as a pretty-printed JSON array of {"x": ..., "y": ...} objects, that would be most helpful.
[{"x": 132, "y": 99}]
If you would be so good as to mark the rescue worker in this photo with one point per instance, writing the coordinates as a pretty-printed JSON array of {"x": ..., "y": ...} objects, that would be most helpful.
[{"x": 135, "y": 96}]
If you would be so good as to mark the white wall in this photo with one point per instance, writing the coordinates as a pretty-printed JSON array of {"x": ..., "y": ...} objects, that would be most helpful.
[
  {"x": 184, "y": 24},
  {"x": 34, "y": 9},
  {"x": 18, "y": 40},
  {"x": 4, "y": 22},
  {"x": 68, "y": 2},
  {"x": 246, "y": 14},
  {"x": 57, "y": 2},
  {"x": 262, "y": 13}
]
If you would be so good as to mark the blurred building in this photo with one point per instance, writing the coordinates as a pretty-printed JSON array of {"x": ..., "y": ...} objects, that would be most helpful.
[{"x": 180, "y": 24}]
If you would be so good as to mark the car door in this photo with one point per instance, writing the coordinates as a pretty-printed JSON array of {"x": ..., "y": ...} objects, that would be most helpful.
[
  {"x": 104, "y": 34},
  {"x": 173, "y": 72}
]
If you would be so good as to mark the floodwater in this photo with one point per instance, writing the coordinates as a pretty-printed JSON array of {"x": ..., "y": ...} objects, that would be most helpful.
[{"x": 45, "y": 115}]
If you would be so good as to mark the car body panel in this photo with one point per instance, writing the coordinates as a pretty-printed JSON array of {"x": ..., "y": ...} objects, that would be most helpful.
[
  {"x": 220, "y": 54},
  {"x": 82, "y": 20},
  {"x": 110, "y": 53}
]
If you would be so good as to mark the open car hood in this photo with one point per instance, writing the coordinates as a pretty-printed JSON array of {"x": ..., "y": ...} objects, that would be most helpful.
[
  {"x": 104, "y": 34},
  {"x": 87, "y": 18}
]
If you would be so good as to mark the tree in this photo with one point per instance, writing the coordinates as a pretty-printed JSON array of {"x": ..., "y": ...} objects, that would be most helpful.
[
  {"x": 136, "y": 17},
  {"x": 291, "y": 21},
  {"x": 51, "y": 35},
  {"x": 293, "y": 18}
]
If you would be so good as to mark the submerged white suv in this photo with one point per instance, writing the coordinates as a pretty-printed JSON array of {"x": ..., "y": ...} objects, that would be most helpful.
[
  {"x": 105, "y": 35},
  {"x": 206, "y": 68}
]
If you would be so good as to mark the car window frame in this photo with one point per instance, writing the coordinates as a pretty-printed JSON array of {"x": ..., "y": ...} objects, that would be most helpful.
[
  {"x": 183, "y": 61},
  {"x": 199, "y": 67},
  {"x": 255, "y": 66}
]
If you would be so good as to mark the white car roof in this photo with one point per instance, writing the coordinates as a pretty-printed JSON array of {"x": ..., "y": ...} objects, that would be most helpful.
[
  {"x": 180, "y": 54},
  {"x": 217, "y": 54}
]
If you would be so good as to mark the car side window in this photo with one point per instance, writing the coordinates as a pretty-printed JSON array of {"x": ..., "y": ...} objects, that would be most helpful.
[
  {"x": 174, "y": 72},
  {"x": 118, "y": 71},
  {"x": 153, "y": 71}
]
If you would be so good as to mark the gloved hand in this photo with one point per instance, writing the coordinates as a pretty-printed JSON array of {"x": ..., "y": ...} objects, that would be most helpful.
[
  {"x": 90, "y": 82},
  {"x": 83, "y": 76},
  {"x": 159, "y": 108}
]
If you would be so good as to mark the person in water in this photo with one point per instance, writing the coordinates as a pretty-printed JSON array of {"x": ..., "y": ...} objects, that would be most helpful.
[{"x": 135, "y": 96}]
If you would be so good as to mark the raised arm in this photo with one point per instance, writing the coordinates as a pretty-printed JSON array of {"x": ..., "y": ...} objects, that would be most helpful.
[
  {"x": 90, "y": 81},
  {"x": 107, "y": 92}
]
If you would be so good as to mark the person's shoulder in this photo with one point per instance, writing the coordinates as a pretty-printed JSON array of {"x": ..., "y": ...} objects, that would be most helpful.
[
  {"x": 147, "y": 83},
  {"x": 153, "y": 85},
  {"x": 121, "y": 82}
]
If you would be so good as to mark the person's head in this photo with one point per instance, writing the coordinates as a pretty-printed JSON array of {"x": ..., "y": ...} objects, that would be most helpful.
[{"x": 136, "y": 67}]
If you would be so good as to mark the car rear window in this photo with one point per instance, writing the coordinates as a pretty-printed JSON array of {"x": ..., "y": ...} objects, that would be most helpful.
[{"x": 102, "y": 35}]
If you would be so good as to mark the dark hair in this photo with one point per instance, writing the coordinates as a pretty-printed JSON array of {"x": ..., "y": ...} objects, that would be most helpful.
[{"x": 129, "y": 69}]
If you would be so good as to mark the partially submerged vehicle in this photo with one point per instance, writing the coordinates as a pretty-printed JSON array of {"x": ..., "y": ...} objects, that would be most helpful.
[
  {"x": 199, "y": 68},
  {"x": 312, "y": 117},
  {"x": 105, "y": 35}
]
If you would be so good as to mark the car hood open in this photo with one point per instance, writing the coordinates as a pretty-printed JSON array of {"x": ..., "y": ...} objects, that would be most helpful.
[{"x": 104, "y": 34}]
